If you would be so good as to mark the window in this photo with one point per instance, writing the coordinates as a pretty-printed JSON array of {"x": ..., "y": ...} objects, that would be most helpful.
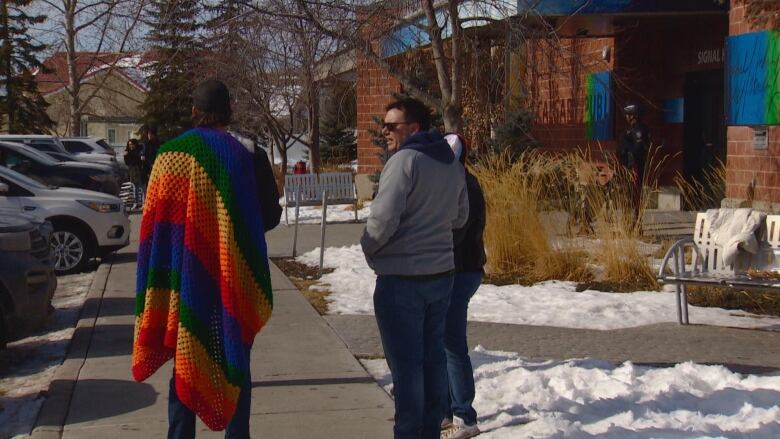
[
  {"x": 105, "y": 145},
  {"x": 112, "y": 136},
  {"x": 46, "y": 147},
  {"x": 74, "y": 146},
  {"x": 17, "y": 162}
]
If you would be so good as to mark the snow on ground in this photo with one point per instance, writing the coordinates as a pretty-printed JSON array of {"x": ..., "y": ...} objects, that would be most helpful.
[
  {"x": 28, "y": 365},
  {"x": 551, "y": 303},
  {"x": 589, "y": 398},
  {"x": 335, "y": 214}
]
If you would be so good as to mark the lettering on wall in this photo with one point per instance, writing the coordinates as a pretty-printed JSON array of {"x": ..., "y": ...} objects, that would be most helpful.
[
  {"x": 556, "y": 112},
  {"x": 711, "y": 56},
  {"x": 598, "y": 106}
]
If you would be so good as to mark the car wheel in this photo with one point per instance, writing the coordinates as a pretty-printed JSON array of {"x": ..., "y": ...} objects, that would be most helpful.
[{"x": 71, "y": 249}]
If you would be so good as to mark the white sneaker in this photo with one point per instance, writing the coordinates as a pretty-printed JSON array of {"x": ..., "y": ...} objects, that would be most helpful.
[
  {"x": 459, "y": 430},
  {"x": 446, "y": 423}
]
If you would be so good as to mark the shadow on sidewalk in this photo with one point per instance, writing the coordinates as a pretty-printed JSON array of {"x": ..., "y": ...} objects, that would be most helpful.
[
  {"x": 109, "y": 340},
  {"x": 109, "y": 398},
  {"x": 313, "y": 382},
  {"x": 120, "y": 258},
  {"x": 113, "y": 306}
]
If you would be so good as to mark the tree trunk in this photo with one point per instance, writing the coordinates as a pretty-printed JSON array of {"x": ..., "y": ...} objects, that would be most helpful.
[
  {"x": 7, "y": 52},
  {"x": 74, "y": 85},
  {"x": 314, "y": 127}
]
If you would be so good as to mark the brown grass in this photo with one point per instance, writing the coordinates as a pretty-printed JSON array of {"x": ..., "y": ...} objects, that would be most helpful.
[
  {"x": 360, "y": 204},
  {"x": 304, "y": 277},
  {"x": 519, "y": 246},
  {"x": 751, "y": 301},
  {"x": 516, "y": 242},
  {"x": 704, "y": 194}
]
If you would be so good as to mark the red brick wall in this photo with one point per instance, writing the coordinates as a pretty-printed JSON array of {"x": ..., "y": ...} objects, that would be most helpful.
[
  {"x": 649, "y": 58},
  {"x": 375, "y": 89},
  {"x": 555, "y": 82},
  {"x": 751, "y": 173}
]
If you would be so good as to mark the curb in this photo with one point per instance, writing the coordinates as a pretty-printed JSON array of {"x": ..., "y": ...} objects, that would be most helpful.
[{"x": 54, "y": 412}]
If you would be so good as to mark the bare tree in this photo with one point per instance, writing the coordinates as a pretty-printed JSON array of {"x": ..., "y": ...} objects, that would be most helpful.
[
  {"x": 95, "y": 27},
  {"x": 274, "y": 70},
  {"x": 442, "y": 28}
]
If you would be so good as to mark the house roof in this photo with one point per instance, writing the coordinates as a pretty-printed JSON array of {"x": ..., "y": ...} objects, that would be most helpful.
[{"x": 131, "y": 66}]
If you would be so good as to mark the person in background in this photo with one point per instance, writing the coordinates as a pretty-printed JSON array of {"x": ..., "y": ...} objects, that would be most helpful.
[
  {"x": 469, "y": 251},
  {"x": 408, "y": 243},
  {"x": 632, "y": 152},
  {"x": 299, "y": 168},
  {"x": 267, "y": 190},
  {"x": 150, "y": 147},
  {"x": 135, "y": 170}
]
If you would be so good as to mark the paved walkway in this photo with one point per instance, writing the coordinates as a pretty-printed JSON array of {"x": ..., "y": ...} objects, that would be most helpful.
[
  {"x": 742, "y": 350},
  {"x": 306, "y": 384}
]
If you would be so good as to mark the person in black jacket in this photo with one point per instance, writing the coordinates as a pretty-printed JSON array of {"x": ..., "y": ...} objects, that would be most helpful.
[
  {"x": 267, "y": 191},
  {"x": 470, "y": 260},
  {"x": 150, "y": 148},
  {"x": 135, "y": 170},
  {"x": 632, "y": 152}
]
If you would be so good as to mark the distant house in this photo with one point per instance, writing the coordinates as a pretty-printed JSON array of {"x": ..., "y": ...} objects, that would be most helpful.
[{"x": 114, "y": 112}]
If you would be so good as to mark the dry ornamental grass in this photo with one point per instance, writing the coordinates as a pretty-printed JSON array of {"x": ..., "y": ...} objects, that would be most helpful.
[{"x": 596, "y": 199}]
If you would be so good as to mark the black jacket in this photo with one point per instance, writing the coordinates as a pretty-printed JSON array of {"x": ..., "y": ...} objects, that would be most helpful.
[
  {"x": 469, "y": 244},
  {"x": 267, "y": 192},
  {"x": 151, "y": 147},
  {"x": 633, "y": 146},
  {"x": 133, "y": 157}
]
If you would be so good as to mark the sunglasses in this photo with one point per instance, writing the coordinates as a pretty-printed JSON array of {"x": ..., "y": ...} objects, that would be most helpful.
[{"x": 391, "y": 126}]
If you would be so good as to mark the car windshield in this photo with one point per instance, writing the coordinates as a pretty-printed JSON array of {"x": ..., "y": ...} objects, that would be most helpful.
[
  {"x": 34, "y": 154},
  {"x": 23, "y": 180},
  {"x": 105, "y": 145}
]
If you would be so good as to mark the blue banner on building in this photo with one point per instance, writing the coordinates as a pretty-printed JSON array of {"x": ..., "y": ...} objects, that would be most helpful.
[
  {"x": 569, "y": 7},
  {"x": 752, "y": 78},
  {"x": 674, "y": 110}
]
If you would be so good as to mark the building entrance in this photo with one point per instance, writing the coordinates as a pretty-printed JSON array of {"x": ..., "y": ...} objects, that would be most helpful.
[{"x": 705, "y": 125}]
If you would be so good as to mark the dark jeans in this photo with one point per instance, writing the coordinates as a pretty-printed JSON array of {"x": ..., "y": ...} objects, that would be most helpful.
[
  {"x": 459, "y": 367},
  {"x": 411, "y": 316},
  {"x": 181, "y": 420}
]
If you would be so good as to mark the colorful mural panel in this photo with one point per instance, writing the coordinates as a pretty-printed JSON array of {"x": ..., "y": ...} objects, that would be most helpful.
[
  {"x": 753, "y": 79},
  {"x": 598, "y": 114}
]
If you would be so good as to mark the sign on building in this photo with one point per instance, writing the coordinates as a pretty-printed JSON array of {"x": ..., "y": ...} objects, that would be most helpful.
[
  {"x": 753, "y": 79},
  {"x": 598, "y": 117}
]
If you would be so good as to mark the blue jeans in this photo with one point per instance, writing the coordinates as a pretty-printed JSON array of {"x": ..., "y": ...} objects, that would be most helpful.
[
  {"x": 181, "y": 420},
  {"x": 459, "y": 367},
  {"x": 411, "y": 316}
]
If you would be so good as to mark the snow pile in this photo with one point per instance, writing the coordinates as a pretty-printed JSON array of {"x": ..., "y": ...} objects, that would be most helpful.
[
  {"x": 551, "y": 303},
  {"x": 28, "y": 365},
  {"x": 335, "y": 214},
  {"x": 594, "y": 399}
]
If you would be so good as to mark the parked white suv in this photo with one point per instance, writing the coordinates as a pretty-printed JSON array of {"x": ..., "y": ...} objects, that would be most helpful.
[
  {"x": 86, "y": 223},
  {"x": 95, "y": 150},
  {"x": 55, "y": 147}
]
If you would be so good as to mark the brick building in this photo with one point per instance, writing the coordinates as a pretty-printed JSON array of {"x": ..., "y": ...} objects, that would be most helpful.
[{"x": 707, "y": 80}]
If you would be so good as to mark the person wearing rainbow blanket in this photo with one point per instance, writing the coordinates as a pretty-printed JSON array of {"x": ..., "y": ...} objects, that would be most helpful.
[{"x": 203, "y": 287}]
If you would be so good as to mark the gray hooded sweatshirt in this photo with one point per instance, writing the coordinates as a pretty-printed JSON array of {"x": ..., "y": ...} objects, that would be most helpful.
[{"x": 422, "y": 197}]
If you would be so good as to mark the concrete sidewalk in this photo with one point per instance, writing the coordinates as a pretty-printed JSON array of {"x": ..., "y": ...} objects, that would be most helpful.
[{"x": 306, "y": 384}]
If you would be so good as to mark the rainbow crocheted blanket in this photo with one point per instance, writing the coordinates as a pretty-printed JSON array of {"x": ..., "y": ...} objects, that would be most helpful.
[{"x": 203, "y": 287}]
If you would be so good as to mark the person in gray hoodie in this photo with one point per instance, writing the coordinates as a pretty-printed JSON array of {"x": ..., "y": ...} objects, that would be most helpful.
[{"x": 408, "y": 243}]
